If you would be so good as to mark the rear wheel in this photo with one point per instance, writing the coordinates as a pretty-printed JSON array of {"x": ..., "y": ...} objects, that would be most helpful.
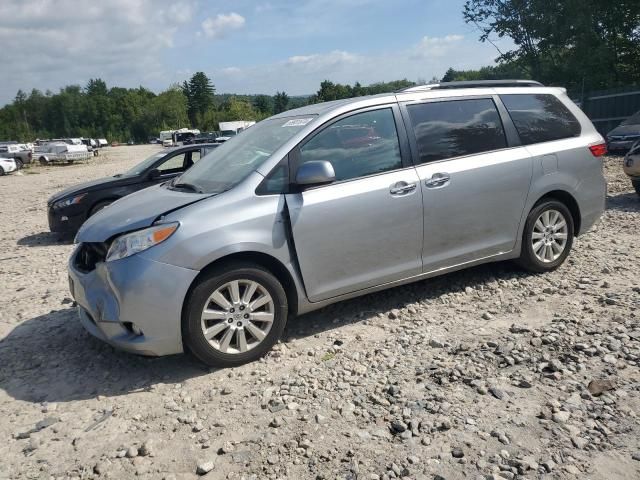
[
  {"x": 636, "y": 185},
  {"x": 1, "y": 171},
  {"x": 43, "y": 160},
  {"x": 547, "y": 237},
  {"x": 19, "y": 164},
  {"x": 234, "y": 315}
]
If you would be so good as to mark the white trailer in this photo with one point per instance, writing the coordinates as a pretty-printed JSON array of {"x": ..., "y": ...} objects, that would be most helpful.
[
  {"x": 230, "y": 129},
  {"x": 61, "y": 152}
]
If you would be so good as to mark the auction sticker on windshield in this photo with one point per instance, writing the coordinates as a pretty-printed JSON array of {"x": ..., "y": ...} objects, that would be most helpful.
[{"x": 298, "y": 122}]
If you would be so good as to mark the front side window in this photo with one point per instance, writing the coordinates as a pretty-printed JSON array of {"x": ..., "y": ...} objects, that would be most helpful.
[
  {"x": 359, "y": 145},
  {"x": 173, "y": 164},
  {"x": 540, "y": 117},
  {"x": 456, "y": 128}
]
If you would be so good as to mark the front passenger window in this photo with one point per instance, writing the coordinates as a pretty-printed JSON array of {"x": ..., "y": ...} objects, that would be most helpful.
[
  {"x": 173, "y": 165},
  {"x": 360, "y": 145}
]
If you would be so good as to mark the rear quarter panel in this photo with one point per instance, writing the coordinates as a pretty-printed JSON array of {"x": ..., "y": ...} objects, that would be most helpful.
[{"x": 577, "y": 172}]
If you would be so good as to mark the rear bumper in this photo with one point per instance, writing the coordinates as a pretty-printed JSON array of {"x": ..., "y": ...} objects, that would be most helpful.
[
  {"x": 134, "y": 304},
  {"x": 591, "y": 196}
]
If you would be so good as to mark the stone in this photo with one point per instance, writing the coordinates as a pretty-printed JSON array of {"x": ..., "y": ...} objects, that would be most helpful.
[
  {"x": 561, "y": 416},
  {"x": 496, "y": 392},
  {"x": 146, "y": 450},
  {"x": 132, "y": 452},
  {"x": 204, "y": 467},
  {"x": 599, "y": 386},
  {"x": 276, "y": 422},
  {"x": 579, "y": 442},
  {"x": 457, "y": 452}
]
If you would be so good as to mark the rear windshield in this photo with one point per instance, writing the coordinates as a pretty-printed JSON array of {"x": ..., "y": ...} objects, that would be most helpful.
[{"x": 540, "y": 118}]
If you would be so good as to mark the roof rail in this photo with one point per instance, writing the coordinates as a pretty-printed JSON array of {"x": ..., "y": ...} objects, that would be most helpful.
[{"x": 472, "y": 84}]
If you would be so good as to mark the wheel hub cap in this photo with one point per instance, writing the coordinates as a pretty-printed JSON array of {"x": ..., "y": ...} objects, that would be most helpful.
[
  {"x": 237, "y": 316},
  {"x": 549, "y": 237}
]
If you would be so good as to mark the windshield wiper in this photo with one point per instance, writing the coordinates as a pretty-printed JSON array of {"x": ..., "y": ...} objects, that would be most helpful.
[{"x": 187, "y": 186}]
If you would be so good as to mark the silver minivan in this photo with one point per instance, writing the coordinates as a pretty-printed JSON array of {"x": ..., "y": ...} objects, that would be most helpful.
[{"x": 336, "y": 200}]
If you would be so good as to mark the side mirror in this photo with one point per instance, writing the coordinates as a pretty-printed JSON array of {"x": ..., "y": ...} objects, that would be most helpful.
[
  {"x": 154, "y": 174},
  {"x": 317, "y": 172}
]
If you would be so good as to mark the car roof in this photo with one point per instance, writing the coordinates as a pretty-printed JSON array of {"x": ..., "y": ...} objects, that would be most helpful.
[{"x": 442, "y": 90}]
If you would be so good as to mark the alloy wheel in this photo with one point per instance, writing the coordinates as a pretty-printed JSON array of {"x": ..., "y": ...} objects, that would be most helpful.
[
  {"x": 237, "y": 316},
  {"x": 549, "y": 237}
]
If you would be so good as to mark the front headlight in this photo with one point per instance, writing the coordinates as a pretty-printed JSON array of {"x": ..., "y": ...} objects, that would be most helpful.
[
  {"x": 69, "y": 201},
  {"x": 139, "y": 241}
]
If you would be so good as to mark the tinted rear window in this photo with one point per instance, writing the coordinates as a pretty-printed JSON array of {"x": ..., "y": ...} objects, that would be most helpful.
[
  {"x": 541, "y": 118},
  {"x": 456, "y": 128}
]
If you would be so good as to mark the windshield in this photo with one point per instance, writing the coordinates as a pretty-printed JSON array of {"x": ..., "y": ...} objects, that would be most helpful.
[
  {"x": 632, "y": 120},
  {"x": 233, "y": 161},
  {"x": 142, "y": 166}
]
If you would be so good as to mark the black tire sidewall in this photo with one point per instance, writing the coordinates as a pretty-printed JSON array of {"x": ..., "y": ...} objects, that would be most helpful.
[
  {"x": 636, "y": 185},
  {"x": 193, "y": 337},
  {"x": 1, "y": 171},
  {"x": 528, "y": 258},
  {"x": 99, "y": 206}
]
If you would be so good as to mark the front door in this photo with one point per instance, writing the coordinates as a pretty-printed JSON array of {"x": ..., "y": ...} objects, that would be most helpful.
[
  {"x": 474, "y": 183},
  {"x": 366, "y": 228}
]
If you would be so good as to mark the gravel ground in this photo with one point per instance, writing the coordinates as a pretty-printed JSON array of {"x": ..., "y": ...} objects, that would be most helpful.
[{"x": 490, "y": 373}]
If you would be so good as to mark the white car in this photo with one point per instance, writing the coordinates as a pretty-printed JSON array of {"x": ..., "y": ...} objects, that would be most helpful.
[{"x": 7, "y": 165}]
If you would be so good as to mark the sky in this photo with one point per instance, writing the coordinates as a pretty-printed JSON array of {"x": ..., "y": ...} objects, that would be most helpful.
[{"x": 243, "y": 46}]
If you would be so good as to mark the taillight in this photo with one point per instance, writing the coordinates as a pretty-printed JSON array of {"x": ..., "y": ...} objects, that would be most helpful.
[{"x": 598, "y": 150}]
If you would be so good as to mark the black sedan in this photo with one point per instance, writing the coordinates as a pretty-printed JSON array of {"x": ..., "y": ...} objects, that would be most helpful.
[
  {"x": 621, "y": 138},
  {"x": 68, "y": 209}
]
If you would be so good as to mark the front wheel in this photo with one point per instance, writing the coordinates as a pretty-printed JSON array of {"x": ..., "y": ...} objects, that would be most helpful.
[
  {"x": 636, "y": 185},
  {"x": 99, "y": 206},
  {"x": 234, "y": 315},
  {"x": 1, "y": 171},
  {"x": 547, "y": 237}
]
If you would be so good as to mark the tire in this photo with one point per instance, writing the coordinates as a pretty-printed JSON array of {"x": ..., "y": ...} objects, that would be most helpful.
[
  {"x": 636, "y": 185},
  {"x": 99, "y": 206},
  {"x": 214, "y": 353},
  {"x": 1, "y": 171},
  {"x": 19, "y": 164},
  {"x": 530, "y": 259},
  {"x": 43, "y": 161}
]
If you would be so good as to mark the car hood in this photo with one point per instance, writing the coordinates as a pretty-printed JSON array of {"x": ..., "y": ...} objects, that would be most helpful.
[
  {"x": 625, "y": 130},
  {"x": 92, "y": 186},
  {"x": 135, "y": 211}
]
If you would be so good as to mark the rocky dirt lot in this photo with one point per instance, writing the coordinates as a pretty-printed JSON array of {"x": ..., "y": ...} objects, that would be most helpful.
[{"x": 489, "y": 373}]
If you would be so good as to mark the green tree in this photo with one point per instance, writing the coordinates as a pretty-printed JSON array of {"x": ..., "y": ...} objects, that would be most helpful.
[
  {"x": 590, "y": 43},
  {"x": 280, "y": 102},
  {"x": 263, "y": 104},
  {"x": 199, "y": 92}
]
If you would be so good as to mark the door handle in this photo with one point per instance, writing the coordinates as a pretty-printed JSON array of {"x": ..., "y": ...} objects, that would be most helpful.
[
  {"x": 402, "y": 188},
  {"x": 438, "y": 180}
]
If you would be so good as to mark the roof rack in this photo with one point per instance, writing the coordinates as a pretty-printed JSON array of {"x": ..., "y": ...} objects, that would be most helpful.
[{"x": 472, "y": 84}]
